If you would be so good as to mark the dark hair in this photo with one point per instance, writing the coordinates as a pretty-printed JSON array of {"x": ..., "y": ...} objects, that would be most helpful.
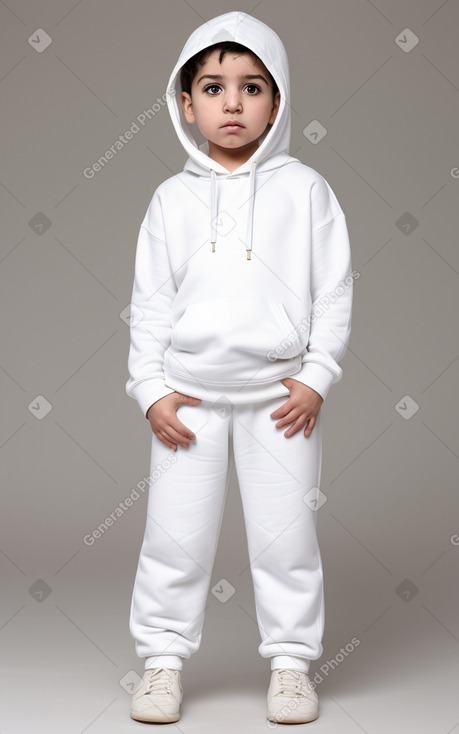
[{"x": 190, "y": 68}]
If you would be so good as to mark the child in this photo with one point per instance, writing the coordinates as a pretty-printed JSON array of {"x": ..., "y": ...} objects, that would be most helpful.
[{"x": 241, "y": 313}]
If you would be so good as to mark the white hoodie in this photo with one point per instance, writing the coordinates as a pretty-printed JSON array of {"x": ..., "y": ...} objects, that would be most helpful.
[{"x": 272, "y": 297}]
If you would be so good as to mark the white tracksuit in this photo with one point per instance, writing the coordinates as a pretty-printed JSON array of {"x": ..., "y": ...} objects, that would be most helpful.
[{"x": 242, "y": 279}]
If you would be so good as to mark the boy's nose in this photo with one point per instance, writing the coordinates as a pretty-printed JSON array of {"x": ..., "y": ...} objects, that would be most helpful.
[
  {"x": 232, "y": 105},
  {"x": 232, "y": 102}
]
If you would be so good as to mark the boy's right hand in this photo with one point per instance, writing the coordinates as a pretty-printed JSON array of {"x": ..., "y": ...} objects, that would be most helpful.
[{"x": 165, "y": 424}]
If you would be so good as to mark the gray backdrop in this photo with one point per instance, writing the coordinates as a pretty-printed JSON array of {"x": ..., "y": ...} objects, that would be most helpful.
[{"x": 383, "y": 79}]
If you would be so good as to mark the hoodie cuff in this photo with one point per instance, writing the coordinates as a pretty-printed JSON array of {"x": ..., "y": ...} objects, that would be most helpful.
[
  {"x": 148, "y": 392},
  {"x": 317, "y": 376}
]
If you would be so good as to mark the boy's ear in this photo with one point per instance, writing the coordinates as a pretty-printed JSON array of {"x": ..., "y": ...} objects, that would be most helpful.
[
  {"x": 275, "y": 109},
  {"x": 187, "y": 107}
]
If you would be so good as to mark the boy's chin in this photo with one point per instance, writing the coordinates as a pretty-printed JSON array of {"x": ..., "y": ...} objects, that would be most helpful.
[{"x": 235, "y": 146}]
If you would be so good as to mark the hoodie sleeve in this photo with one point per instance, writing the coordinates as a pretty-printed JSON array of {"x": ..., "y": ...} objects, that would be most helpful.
[
  {"x": 152, "y": 295},
  {"x": 331, "y": 292}
]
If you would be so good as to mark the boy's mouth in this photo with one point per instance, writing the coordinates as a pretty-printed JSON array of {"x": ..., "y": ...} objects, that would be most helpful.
[{"x": 232, "y": 125}]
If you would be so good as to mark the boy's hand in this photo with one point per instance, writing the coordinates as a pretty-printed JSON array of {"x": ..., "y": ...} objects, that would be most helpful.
[
  {"x": 301, "y": 408},
  {"x": 165, "y": 424}
]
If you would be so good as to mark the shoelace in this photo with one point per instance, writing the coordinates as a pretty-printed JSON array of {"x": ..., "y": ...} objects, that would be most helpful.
[
  {"x": 159, "y": 681},
  {"x": 290, "y": 681}
]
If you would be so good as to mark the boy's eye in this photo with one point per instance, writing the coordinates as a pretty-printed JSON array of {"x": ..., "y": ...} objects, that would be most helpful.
[
  {"x": 254, "y": 87},
  {"x": 211, "y": 86}
]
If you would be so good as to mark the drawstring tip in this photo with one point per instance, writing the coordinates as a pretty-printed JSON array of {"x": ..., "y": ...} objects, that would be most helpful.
[
  {"x": 249, "y": 254},
  {"x": 213, "y": 246}
]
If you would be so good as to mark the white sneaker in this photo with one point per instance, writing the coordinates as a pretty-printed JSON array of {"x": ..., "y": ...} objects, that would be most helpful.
[
  {"x": 291, "y": 697},
  {"x": 158, "y": 696}
]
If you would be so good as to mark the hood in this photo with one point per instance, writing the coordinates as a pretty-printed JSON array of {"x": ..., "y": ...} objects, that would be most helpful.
[{"x": 273, "y": 150}]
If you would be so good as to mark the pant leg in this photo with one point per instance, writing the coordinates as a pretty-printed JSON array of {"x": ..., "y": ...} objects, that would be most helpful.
[
  {"x": 184, "y": 516},
  {"x": 275, "y": 474}
]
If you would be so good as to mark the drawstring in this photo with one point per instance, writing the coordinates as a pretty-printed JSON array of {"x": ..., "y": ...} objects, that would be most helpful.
[
  {"x": 249, "y": 236},
  {"x": 213, "y": 209}
]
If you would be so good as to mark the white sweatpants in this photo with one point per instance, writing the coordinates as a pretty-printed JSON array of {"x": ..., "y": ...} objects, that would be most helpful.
[{"x": 278, "y": 480}]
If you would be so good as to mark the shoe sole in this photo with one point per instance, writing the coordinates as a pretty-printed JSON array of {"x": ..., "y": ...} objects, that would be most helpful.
[
  {"x": 291, "y": 719},
  {"x": 155, "y": 718}
]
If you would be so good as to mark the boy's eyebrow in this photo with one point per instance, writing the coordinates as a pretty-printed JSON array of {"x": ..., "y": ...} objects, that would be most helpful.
[{"x": 220, "y": 76}]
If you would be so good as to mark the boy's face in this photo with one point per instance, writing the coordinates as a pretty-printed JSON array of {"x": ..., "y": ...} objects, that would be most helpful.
[{"x": 231, "y": 96}]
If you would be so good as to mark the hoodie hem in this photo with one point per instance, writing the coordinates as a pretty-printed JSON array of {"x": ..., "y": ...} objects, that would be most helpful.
[{"x": 229, "y": 393}]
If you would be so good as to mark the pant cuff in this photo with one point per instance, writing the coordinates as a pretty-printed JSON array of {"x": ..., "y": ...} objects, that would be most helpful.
[
  {"x": 290, "y": 661},
  {"x": 164, "y": 661}
]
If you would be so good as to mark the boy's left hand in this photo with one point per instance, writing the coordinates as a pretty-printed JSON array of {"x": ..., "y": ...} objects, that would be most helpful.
[{"x": 301, "y": 408}]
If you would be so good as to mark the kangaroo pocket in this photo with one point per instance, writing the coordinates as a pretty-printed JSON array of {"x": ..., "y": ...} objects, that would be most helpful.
[{"x": 234, "y": 340}]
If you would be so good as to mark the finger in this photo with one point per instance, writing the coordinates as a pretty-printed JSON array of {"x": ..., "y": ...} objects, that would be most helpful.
[
  {"x": 176, "y": 428},
  {"x": 175, "y": 436},
  {"x": 297, "y": 426},
  {"x": 177, "y": 432},
  {"x": 161, "y": 437},
  {"x": 288, "y": 418},
  {"x": 282, "y": 410},
  {"x": 310, "y": 427},
  {"x": 182, "y": 399}
]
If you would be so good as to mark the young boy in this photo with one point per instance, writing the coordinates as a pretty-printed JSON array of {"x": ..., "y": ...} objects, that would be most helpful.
[{"x": 241, "y": 313}]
